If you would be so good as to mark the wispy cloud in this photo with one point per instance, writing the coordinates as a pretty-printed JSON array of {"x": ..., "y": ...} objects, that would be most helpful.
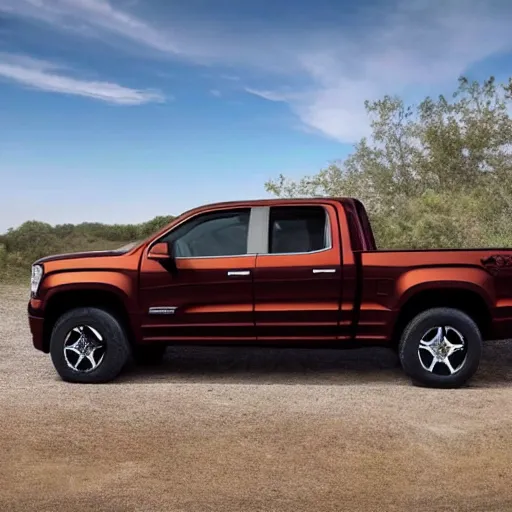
[
  {"x": 48, "y": 76},
  {"x": 267, "y": 95},
  {"x": 203, "y": 41},
  {"x": 92, "y": 15},
  {"x": 324, "y": 72},
  {"x": 216, "y": 93},
  {"x": 416, "y": 46}
]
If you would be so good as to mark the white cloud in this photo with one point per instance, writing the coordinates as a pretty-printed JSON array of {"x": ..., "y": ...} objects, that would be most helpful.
[
  {"x": 46, "y": 76},
  {"x": 202, "y": 41},
  {"x": 324, "y": 72},
  {"x": 267, "y": 95},
  {"x": 417, "y": 46},
  {"x": 216, "y": 93},
  {"x": 91, "y": 14}
]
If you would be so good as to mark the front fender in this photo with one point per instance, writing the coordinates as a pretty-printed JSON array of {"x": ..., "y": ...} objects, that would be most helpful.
[
  {"x": 461, "y": 278},
  {"x": 121, "y": 284}
]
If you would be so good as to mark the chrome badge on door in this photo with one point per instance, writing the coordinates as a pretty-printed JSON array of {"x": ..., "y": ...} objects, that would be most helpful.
[{"x": 162, "y": 310}]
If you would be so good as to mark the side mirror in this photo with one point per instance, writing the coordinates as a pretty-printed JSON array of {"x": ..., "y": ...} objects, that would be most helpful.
[{"x": 160, "y": 251}]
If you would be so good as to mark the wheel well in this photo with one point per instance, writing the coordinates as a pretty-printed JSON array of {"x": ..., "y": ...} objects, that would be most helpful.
[
  {"x": 65, "y": 301},
  {"x": 469, "y": 302}
]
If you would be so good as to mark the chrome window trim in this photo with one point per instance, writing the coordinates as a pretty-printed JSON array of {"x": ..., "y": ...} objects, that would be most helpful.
[
  {"x": 213, "y": 257},
  {"x": 258, "y": 234},
  {"x": 297, "y": 253}
]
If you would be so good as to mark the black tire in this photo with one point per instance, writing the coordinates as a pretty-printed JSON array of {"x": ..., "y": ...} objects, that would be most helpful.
[
  {"x": 116, "y": 352},
  {"x": 419, "y": 326},
  {"x": 148, "y": 355}
]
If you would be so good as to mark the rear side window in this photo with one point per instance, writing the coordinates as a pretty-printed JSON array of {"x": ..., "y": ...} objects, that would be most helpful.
[{"x": 298, "y": 229}]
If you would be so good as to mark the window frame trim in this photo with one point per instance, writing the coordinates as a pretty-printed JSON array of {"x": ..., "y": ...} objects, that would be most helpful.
[
  {"x": 327, "y": 231},
  {"x": 258, "y": 232}
]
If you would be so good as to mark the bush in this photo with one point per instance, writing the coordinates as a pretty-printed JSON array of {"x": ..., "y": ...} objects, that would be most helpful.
[{"x": 20, "y": 247}]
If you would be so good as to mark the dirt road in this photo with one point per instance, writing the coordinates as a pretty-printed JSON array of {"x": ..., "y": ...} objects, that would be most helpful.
[{"x": 249, "y": 430}]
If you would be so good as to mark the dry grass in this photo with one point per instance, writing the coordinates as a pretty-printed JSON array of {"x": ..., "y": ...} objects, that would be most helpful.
[{"x": 249, "y": 430}]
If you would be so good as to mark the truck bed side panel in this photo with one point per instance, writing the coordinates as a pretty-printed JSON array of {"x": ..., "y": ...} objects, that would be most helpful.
[{"x": 391, "y": 278}]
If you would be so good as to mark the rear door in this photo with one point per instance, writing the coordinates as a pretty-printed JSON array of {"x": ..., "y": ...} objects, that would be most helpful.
[
  {"x": 209, "y": 296},
  {"x": 298, "y": 277}
]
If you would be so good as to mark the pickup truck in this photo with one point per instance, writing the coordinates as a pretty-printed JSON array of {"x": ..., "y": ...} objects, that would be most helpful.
[{"x": 292, "y": 272}]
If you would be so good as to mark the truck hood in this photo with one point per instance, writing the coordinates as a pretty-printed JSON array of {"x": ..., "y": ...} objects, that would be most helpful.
[{"x": 85, "y": 254}]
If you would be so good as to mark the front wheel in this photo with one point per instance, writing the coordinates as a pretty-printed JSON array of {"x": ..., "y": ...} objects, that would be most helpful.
[
  {"x": 441, "y": 348},
  {"x": 88, "y": 345}
]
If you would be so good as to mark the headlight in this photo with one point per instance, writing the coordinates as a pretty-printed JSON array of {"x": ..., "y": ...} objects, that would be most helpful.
[{"x": 35, "y": 279}]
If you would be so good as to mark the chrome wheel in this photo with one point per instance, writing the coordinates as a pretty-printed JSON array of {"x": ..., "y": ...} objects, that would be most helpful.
[
  {"x": 442, "y": 350},
  {"x": 84, "y": 349}
]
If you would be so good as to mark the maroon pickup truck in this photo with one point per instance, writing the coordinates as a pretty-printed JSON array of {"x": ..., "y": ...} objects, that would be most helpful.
[{"x": 287, "y": 272}]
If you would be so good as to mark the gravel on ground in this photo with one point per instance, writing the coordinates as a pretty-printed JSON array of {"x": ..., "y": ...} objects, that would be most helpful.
[{"x": 247, "y": 430}]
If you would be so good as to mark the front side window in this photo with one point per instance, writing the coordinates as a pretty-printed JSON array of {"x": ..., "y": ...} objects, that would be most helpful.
[
  {"x": 298, "y": 229},
  {"x": 222, "y": 233}
]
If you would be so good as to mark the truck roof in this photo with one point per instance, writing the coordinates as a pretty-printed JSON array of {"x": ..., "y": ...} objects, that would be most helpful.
[{"x": 274, "y": 201}]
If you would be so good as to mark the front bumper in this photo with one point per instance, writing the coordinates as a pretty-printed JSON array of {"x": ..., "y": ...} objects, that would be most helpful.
[{"x": 36, "y": 324}]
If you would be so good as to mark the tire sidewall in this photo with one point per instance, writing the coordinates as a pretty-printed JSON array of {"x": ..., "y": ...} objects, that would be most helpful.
[
  {"x": 417, "y": 329},
  {"x": 116, "y": 352}
]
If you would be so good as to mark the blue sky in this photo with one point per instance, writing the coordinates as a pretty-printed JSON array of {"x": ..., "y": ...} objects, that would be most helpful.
[{"x": 120, "y": 110}]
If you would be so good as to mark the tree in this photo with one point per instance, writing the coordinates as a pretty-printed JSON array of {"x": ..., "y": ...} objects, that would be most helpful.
[{"x": 435, "y": 174}]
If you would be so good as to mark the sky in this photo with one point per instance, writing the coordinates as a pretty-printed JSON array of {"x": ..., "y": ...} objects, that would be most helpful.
[{"x": 118, "y": 111}]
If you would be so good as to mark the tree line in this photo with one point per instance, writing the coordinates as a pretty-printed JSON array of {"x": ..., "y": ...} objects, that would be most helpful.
[{"x": 20, "y": 247}]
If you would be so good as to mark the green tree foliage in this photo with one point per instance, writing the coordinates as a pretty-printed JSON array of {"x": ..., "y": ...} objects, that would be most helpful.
[
  {"x": 32, "y": 240},
  {"x": 438, "y": 174}
]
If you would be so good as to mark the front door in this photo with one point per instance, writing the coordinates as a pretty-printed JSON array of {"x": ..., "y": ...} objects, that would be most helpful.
[
  {"x": 208, "y": 296},
  {"x": 298, "y": 282}
]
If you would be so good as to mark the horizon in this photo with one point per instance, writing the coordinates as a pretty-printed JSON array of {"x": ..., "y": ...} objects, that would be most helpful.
[
  {"x": 55, "y": 225},
  {"x": 116, "y": 112}
]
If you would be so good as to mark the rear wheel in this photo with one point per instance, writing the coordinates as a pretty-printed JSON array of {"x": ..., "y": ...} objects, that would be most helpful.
[
  {"x": 441, "y": 348},
  {"x": 88, "y": 345}
]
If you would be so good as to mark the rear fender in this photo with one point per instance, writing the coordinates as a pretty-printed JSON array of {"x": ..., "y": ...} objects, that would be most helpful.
[{"x": 472, "y": 279}]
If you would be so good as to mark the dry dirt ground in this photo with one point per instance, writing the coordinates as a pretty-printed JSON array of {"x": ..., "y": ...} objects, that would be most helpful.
[{"x": 250, "y": 430}]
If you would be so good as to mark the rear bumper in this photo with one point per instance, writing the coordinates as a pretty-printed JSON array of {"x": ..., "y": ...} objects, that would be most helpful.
[{"x": 36, "y": 324}]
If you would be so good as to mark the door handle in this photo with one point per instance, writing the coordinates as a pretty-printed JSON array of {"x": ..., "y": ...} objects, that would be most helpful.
[
  {"x": 238, "y": 272},
  {"x": 324, "y": 270}
]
